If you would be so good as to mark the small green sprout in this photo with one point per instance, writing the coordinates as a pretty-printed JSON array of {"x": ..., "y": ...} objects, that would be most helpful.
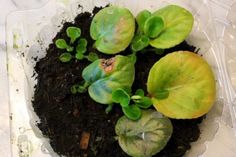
[
  {"x": 79, "y": 88},
  {"x": 65, "y": 57},
  {"x": 144, "y": 137},
  {"x": 61, "y": 44},
  {"x": 133, "y": 111},
  {"x": 139, "y": 42},
  {"x": 81, "y": 48},
  {"x": 74, "y": 33}
]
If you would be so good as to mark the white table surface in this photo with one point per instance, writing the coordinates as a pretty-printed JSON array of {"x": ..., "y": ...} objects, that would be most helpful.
[{"x": 223, "y": 145}]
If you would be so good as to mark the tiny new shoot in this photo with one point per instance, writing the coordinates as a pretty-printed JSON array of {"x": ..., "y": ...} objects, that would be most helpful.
[
  {"x": 139, "y": 100},
  {"x": 73, "y": 33}
]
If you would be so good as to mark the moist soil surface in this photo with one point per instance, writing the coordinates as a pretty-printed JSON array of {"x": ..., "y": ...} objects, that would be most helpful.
[{"x": 65, "y": 117}]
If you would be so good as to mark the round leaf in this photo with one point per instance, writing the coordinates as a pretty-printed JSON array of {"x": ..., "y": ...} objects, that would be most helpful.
[
  {"x": 133, "y": 112},
  {"x": 73, "y": 33},
  {"x": 189, "y": 81},
  {"x": 121, "y": 97},
  {"x": 178, "y": 25},
  {"x": 104, "y": 76},
  {"x": 79, "y": 56},
  {"x": 141, "y": 19},
  {"x": 139, "y": 92},
  {"x": 65, "y": 57},
  {"x": 144, "y": 103},
  {"x": 113, "y": 29},
  {"x": 144, "y": 137},
  {"x": 153, "y": 26},
  {"x": 81, "y": 47},
  {"x": 61, "y": 44}
]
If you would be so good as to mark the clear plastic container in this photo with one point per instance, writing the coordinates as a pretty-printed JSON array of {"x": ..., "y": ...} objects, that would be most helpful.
[{"x": 30, "y": 32}]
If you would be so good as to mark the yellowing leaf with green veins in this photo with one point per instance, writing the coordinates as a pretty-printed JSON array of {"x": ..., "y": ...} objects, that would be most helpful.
[
  {"x": 112, "y": 28},
  {"x": 182, "y": 85},
  {"x": 178, "y": 24},
  {"x": 144, "y": 137},
  {"x": 105, "y": 76}
]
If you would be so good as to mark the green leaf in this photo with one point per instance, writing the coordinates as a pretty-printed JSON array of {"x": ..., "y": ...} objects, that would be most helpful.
[
  {"x": 121, "y": 97},
  {"x": 178, "y": 25},
  {"x": 112, "y": 28},
  {"x": 65, "y": 57},
  {"x": 82, "y": 46},
  {"x": 139, "y": 92},
  {"x": 79, "y": 56},
  {"x": 73, "y": 89},
  {"x": 92, "y": 56},
  {"x": 107, "y": 75},
  {"x": 145, "y": 103},
  {"x": 109, "y": 108},
  {"x": 73, "y": 33},
  {"x": 144, "y": 137},
  {"x": 133, "y": 112},
  {"x": 141, "y": 19},
  {"x": 190, "y": 83},
  {"x": 154, "y": 26},
  {"x": 139, "y": 42},
  {"x": 69, "y": 49},
  {"x": 61, "y": 44}
]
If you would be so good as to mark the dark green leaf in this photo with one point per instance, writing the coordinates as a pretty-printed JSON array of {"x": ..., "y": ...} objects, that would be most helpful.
[
  {"x": 154, "y": 26},
  {"x": 65, "y": 57},
  {"x": 73, "y": 89},
  {"x": 82, "y": 46},
  {"x": 133, "y": 112},
  {"x": 161, "y": 94},
  {"x": 73, "y": 33},
  {"x": 139, "y": 42},
  {"x": 61, "y": 44},
  {"x": 139, "y": 92},
  {"x": 141, "y": 19},
  {"x": 92, "y": 56},
  {"x": 121, "y": 96},
  {"x": 145, "y": 103},
  {"x": 79, "y": 56}
]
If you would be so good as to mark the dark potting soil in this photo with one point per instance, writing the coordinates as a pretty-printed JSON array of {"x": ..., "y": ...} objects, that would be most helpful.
[{"x": 65, "y": 117}]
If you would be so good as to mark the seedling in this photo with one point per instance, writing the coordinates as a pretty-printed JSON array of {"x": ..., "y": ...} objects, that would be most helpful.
[
  {"x": 144, "y": 137},
  {"x": 132, "y": 111},
  {"x": 61, "y": 44},
  {"x": 112, "y": 28},
  {"x": 165, "y": 28},
  {"x": 105, "y": 76},
  {"x": 182, "y": 85}
]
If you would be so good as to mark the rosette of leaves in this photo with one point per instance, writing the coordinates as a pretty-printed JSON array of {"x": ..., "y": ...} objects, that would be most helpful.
[
  {"x": 182, "y": 85},
  {"x": 131, "y": 110},
  {"x": 112, "y": 28},
  {"x": 144, "y": 137},
  {"x": 165, "y": 28},
  {"x": 105, "y": 75},
  {"x": 74, "y": 34}
]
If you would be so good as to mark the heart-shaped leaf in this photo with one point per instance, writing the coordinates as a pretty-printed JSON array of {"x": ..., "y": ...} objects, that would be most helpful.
[
  {"x": 144, "y": 137},
  {"x": 105, "y": 76},
  {"x": 113, "y": 29},
  {"x": 121, "y": 96},
  {"x": 154, "y": 26},
  {"x": 178, "y": 25},
  {"x": 189, "y": 81}
]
